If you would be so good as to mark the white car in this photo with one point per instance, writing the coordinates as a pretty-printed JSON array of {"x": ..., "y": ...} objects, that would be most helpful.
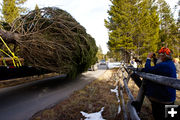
[{"x": 112, "y": 65}]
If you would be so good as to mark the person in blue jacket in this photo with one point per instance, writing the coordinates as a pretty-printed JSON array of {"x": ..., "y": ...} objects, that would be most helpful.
[{"x": 160, "y": 95}]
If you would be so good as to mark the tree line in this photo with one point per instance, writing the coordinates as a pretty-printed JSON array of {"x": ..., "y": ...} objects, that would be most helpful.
[{"x": 137, "y": 27}]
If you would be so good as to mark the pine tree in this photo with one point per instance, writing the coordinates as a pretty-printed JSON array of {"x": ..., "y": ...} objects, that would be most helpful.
[
  {"x": 147, "y": 30},
  {"x": 177, "y": 33},
  {"x": 166, "y": 19},
  {"x": 168, "y": 28},
  {"x": 100, "y": 53},
  {"x": 36, "y": 7},
  {"x": 120, "y": 25},
  {"x": 133, "y": 27},
  {"x": 11, "y": 9},
  {"x": 38, "y": 14}
]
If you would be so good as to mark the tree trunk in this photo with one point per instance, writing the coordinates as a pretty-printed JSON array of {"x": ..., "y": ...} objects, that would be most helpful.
[{"x": 9, "y": 37}]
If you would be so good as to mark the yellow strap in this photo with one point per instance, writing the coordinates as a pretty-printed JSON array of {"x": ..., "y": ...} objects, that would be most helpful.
[
  {"x": 9, "y": 56},
  {"x": 6, "y": 46},
  {"x": 14, "y": 58},
  {"x": 5, "y": 52},
  {"x": 19, "y": 61}
]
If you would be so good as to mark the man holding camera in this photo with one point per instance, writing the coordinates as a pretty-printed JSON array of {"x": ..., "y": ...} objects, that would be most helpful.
[{"x": 160, "y": 95}]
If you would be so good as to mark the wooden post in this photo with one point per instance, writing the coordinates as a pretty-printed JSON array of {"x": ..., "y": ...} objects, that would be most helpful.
[
  {"x": 123, "y": 103},
  {"x": 132, "y": 111},
  {"x": 163, "y": 80},
  {"x": 131, "y": 97},
  {"x": 140, "y": 97},
  {"x": 129, "y": 76},
  {"x": 136, "y": 79}
]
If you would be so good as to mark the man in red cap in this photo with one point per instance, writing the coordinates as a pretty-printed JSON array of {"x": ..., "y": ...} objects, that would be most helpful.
[{"x": 160, "y": 95}]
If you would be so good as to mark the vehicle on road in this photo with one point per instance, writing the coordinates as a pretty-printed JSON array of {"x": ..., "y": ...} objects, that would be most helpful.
[
  {"x": 111, "y": 65},
  {"x": 102, "y": 62}
]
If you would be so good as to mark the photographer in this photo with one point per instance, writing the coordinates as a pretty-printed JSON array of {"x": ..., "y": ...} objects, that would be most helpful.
[{"x": 160, "y": 95}]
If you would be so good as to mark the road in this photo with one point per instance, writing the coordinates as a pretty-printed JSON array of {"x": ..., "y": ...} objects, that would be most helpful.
[{"x": 22, "y": 101}]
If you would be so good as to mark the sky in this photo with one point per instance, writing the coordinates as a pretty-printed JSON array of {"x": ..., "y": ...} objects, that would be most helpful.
[{"x": 89, "y": 13}]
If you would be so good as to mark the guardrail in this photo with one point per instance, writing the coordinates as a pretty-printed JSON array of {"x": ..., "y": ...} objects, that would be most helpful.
[{"x": 134, "y": 105}]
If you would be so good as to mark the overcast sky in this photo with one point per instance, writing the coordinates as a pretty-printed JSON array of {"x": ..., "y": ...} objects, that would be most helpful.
[{"x": 89, "y": 13}]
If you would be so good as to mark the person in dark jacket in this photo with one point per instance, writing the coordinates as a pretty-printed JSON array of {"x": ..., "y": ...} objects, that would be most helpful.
[{"x": 160, "y": 95}]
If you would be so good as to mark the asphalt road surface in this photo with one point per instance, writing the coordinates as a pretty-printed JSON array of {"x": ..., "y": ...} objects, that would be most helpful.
[{"x": 23, "y": 101}]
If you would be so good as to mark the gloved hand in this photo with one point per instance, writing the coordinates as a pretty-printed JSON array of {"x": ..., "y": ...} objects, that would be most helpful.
[{"x": 150, "y": 55}]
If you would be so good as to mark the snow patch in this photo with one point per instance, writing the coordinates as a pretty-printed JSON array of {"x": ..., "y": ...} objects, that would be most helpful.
[
  {"x": 93, "y": 116},
  {"x": 117, "y": 94}
]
